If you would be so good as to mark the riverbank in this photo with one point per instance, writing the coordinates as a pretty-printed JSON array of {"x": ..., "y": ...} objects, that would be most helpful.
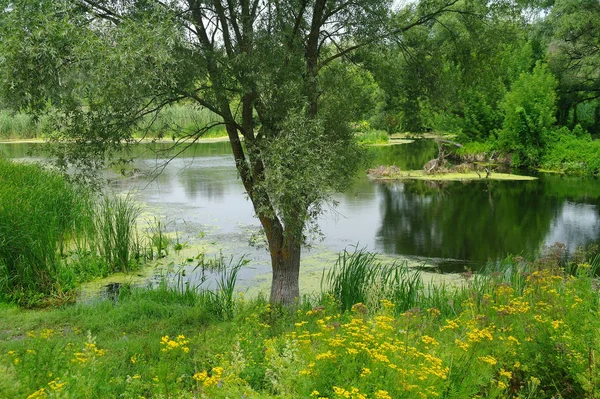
[
  {"x": 483, "y": 339},
  {"x": 219, "y": 139}
]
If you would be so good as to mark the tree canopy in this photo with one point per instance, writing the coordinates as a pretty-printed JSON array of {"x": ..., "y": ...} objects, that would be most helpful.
[{"x": 273, "y": 70}]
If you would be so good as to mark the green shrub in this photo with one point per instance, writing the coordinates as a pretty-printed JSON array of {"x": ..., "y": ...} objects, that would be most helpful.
[{"x": 572, "y": 152}]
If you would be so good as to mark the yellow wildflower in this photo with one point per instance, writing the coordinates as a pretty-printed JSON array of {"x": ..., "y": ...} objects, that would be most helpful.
[
  {"x": 505, "y": 373},
  {"x": 488, "y": 359},
  {"x": 40, "y": 393},
  {"x": 427, "y": 340},
  {"x": 381, "y": 394},
  {"x": 57, "y": 386}
]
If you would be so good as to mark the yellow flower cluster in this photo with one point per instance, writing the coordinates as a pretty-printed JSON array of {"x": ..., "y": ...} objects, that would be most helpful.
[
  {"x": 55, "y": 386},
  {"x": 180, "y": 342},
  {"x": 211, "y": 380},
  {"x": 90, "y": 351},
  {"x": 353, "y": 393}
]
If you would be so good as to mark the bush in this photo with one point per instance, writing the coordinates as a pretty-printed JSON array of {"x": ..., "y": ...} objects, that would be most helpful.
[{"x": 572, "y": 152}]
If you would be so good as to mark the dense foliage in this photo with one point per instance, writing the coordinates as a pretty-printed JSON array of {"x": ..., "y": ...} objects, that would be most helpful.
[{"x": 509, "y": 75}]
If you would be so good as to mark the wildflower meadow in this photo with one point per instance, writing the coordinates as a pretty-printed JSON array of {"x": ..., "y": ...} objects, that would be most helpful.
[{"x": 518, "y": 330}]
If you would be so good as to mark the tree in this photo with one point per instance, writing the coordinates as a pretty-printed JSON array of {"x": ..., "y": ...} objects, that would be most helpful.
[
  {"x": 100, "y": 67},
  {"x": 529, "y": 114},
  {"x": 574, "y": 51}
]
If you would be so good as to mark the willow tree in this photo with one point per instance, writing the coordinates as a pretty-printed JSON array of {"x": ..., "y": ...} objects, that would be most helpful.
[{"x": 271, "y": 69}]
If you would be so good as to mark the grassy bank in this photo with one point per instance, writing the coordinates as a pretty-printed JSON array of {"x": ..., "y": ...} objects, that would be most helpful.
[
  {"x": 562, "y": 151},
  {"x": 519, "y": 330},
  {"x": 175, "y": 121},
  {"x": 19, "y": 126}
]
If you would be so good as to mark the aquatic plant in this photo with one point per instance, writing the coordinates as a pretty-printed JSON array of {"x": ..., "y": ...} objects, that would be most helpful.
[
  {"x": 358, "y": 277},
  {"x": 114, "y": 233},
  {"x": 54, "y": 235}
]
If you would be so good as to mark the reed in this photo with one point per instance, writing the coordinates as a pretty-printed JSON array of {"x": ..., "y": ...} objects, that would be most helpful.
[
  {"x": 175, "y": 121},
  {"x": 182, "y": 120},
  {"x": 55, "y": 235},
  {"x": 115, "y": 232},
  {"x": 39, "y": 214},
  {"x": 352, "y": 277}
]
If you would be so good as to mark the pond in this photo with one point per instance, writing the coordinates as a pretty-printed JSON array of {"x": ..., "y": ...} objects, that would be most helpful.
[{"x": 448, "y": 225}]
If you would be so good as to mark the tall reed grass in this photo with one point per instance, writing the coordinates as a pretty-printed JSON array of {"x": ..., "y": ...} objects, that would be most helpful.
[
  {"x": 358, "y": 277},
  {"x": 220, "y": 300},
  {"x": 114, "y": 233},
  {"x": 181, "y": 120},
  {"x": 175, "y": 121},
  {"x": 54, "y": 235},
  {"x": 19, "y": 125},
  {"x": 39, "y": 214}
]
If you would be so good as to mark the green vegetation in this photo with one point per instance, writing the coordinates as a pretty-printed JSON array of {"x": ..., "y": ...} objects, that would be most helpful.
[
  {"x": 518, "y": 329},
  {"x": 178, "y": 121},
  {"x": 19, "y": 126},
  {"x": 373, "y": 137},
  {"x": 281, "y": 79},
  {"x": 182, "y": 121},
  {"x": 54, "y": 235}
]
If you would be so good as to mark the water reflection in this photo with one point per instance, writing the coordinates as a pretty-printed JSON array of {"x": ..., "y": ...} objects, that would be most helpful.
[{"x": 474, "y": 221}]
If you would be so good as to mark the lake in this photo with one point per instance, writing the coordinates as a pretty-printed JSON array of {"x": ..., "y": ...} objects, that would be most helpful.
[{"x": 448, "y": 225}]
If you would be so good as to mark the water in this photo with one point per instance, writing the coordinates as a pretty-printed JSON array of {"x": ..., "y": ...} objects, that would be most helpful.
[{"x": 447, "y": 224}]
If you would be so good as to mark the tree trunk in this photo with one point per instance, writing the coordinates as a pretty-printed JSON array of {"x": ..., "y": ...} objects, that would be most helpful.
[{"x": 285, "y": 261}]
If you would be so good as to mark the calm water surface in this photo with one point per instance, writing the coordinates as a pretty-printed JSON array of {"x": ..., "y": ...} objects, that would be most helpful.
[{"x": 449, "y": 224}]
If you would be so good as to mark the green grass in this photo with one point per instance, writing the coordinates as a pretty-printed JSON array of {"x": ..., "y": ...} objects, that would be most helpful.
[
  {"x": 39, "y": 214},
  {"x": 176, "y": 121},
  {"x": 358, "y": 277},
  {"x": 55, "y": 235},
  {"x": 19, "y": 126},
  {"x": 114, "y": 233},
  {"x": 372, "y": 137},
  {"x": 520, "y": 329}
]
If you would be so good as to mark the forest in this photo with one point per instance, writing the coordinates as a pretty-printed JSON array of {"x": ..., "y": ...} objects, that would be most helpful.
[{"x": 513, "y": 77}]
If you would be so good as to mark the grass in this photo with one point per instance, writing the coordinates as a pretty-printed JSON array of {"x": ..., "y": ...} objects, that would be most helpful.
[
  {"x": 179, "y": 120},
  {"x": 521, "y": 329},
  {"x": 19, "y": 125},
  {"x": 370, "y": 137},
  {"x": 358, "y": 277},
  {"x": 55, "y": 235},
  {"x": 39, "y": 214},
  {"x": 114, "y": 232},
  {"x": 392, "y": 173}
]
